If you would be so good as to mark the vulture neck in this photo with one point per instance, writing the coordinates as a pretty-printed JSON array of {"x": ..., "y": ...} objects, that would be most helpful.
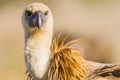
[{"x": 37, "y": 53}]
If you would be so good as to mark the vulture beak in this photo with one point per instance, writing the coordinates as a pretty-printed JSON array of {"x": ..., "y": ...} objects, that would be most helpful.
[{"x": 37, "y": 19}]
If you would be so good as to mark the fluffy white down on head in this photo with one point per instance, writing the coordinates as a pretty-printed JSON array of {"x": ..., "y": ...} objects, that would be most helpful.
[{"x": 34, "y": 7}]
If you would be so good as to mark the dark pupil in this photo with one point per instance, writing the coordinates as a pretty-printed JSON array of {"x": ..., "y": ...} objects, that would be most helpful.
[
  {"x": 28, "y": 13},
  {"x": 46, "y": 13}
]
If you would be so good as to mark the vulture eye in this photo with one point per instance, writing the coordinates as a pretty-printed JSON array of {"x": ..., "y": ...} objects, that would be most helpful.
[
  {"x": 46, "y": 13},
  {"x": 28, "y": 13}
]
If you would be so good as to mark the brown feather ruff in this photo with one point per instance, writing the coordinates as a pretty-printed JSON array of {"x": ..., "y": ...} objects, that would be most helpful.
[{"x": 66, "y": 63}]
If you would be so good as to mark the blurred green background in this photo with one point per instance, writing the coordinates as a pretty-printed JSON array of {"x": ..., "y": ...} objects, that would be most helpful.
[{"x": 95, "y": 22}]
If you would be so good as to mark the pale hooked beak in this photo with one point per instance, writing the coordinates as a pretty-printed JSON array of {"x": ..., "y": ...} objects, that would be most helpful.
[{"x": 37, "y": 19}]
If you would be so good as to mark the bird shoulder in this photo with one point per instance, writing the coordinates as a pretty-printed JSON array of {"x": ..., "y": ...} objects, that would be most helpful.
[{"x": 108, "y": 72}]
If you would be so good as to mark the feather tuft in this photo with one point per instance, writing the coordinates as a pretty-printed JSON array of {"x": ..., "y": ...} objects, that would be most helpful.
[{"x": 66, "y": 62}]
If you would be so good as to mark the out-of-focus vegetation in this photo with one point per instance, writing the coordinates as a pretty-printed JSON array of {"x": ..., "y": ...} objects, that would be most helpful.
[{"x": 95, "y": 22}]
